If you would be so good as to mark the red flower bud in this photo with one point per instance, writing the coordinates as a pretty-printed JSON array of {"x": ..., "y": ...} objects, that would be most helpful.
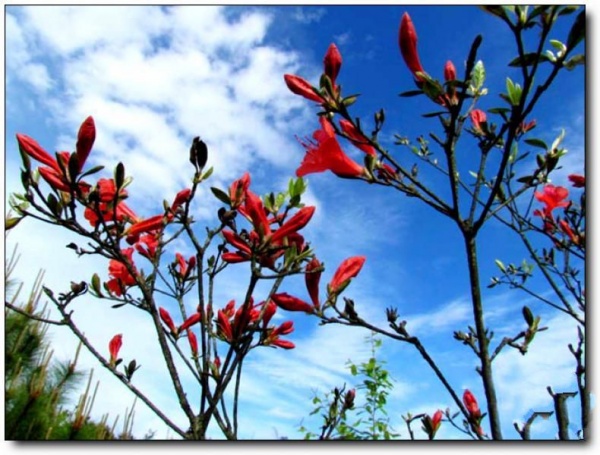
[
  {"x": 291, "y": 303},
  {"x": 285, "y": 344},
  {"x": 181, "y": 198},
  {"x": 224, "y": 325},
  {"x": 166, "y": 318},
  {"x": 295, "y": 223},
  {"x": 301, "y": 87},
  {"x": 357, "y": 138},
  {"x": 578, "y": 181},
  {"x": 347, "y": 270},
  {"x": 33, "y": 149},
  {"x": 471, "y": 404},
  {"x": 114, "y": 346},
  {"x": 478, "y": 117},
  {"x": 193, "y": 342},
  {"x": 312, "y": 280},
  {"x": 407, "y": 40},
  {"x": 449, "y": 71},
  {"x": 54, "y": 178},
  {"x": 85, "y": 140},
  {"x": 193, "y": 319},
  {"x": 332, "y": 63}
]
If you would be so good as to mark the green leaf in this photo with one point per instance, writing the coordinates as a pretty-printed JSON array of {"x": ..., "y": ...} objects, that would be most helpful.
[
  {"x": 221, "y": 195},
  {"x": 93, "y": 170},
  {"x": 11, "y": 222},
  {"x": 513, "y": 91},
  {"x": 577, "y": 32},
  {"x": 536, "y": 143},
  {"x": 95, "y": 284},
  {"x": 411, "y": 93},
  {"x": 528, "y": 316},
  {"x": 500, "y": 265},
  {"x": 528, "y": 60},
  {"x": 208, "y": 173},
  {"x": 569, "y": 9},
  {"x": 478, "y": 76},
  {"x": 434, "y": 114}
]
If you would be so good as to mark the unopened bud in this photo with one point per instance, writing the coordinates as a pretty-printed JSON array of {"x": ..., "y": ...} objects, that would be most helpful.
[{"x": 198, "y": 153}]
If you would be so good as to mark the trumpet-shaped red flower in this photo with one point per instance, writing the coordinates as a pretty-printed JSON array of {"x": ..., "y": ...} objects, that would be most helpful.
[
  {"x": 121, "y": 278},
  {"x": 290, "y": 303},
  {"x": 114, "y": 346},
  {"x": 553, "y": 197},
  {"x": 273, "y": 337},
  {"x": 85, "y": 140},
  {"x": 569, "y": 232},
  {"x": 147, "y": 246},
  {"x": 302, "y": 87},
  {"x": 578, "y": 181},
  {"x": 358, "y": 139},
  {"x": 312, "y": 277},
  {"x": 325, "y": 153},
  {"x": 348, "y": 269},
  {"x": 332, "y": 63},
  {"x": 407, "y": 39},
  {"x": 478, "y": 117},
  {"x": 166, "y": 318},
  {"x": 185, "y": 267}
]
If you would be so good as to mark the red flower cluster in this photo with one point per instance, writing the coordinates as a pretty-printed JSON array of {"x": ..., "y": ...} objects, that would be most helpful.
[
  {"x": 332, "y": 64},
  {"x": 121, "y": 278},
  {"x": 552, "y": 197},
  {"x": 263, "y": 243},
  {"x": 233, "y": 323}
]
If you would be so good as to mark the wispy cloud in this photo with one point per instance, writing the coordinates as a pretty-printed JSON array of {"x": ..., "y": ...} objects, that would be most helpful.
[{"x": 307, "y": 14}]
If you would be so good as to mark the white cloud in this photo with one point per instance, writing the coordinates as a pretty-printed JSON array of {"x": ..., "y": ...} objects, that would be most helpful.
[{"x": 308, "y": 15}]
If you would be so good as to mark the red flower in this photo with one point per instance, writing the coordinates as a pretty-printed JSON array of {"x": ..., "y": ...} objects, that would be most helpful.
[
  {"x": 193, "y": 319},
  {"x": 569, "y": 232},
  {"x": 193, "y": 343},
  {"x": 478, "y": 117},
  {"x": 54, "y": 179},
  {"x": 166, "y": 318},
  {"x": 121, "y": 278},
  {"x": 291, "y": 303},
  {"x": 154, "y": 223},
  {"x": 237, "y": 190},
  {"x": 347, "y": 270},
  {"x": 256, "y": 212},
  {"x": 285, "y": 344},
  {"x": 553, "y": 197},
  {"x": 578, "y": 181},
  {"x": 151, "y": 245},
  {"x": 224, "y": 325},
  {"x": 114, "y": 346},
  {"x": 357, "y": 138},
  {"x": 325, "y": 153},
  {"x": 269, "y": 311},
  {"x": 85, "y": 140},
  {"x": 407, "y": 40},
  {"x": 471, "y": 404},
  {"x": 295, "y": 223},
  {"x": 332, "y": 63},
  {"x": 312, "y": 279},
  {"x": 181, "y": 198},
  {"x": 302, "y": 87},
  {"x": 525, "y": 126}
]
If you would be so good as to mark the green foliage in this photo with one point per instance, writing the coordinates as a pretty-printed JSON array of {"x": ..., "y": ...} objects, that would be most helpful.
[
  {"x": 368, "y": 420},
  {"x": 36, "y": 386}
]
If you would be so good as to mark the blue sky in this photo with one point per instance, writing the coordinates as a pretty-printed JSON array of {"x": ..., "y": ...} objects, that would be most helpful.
[{"x": 153, "y": 78}]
